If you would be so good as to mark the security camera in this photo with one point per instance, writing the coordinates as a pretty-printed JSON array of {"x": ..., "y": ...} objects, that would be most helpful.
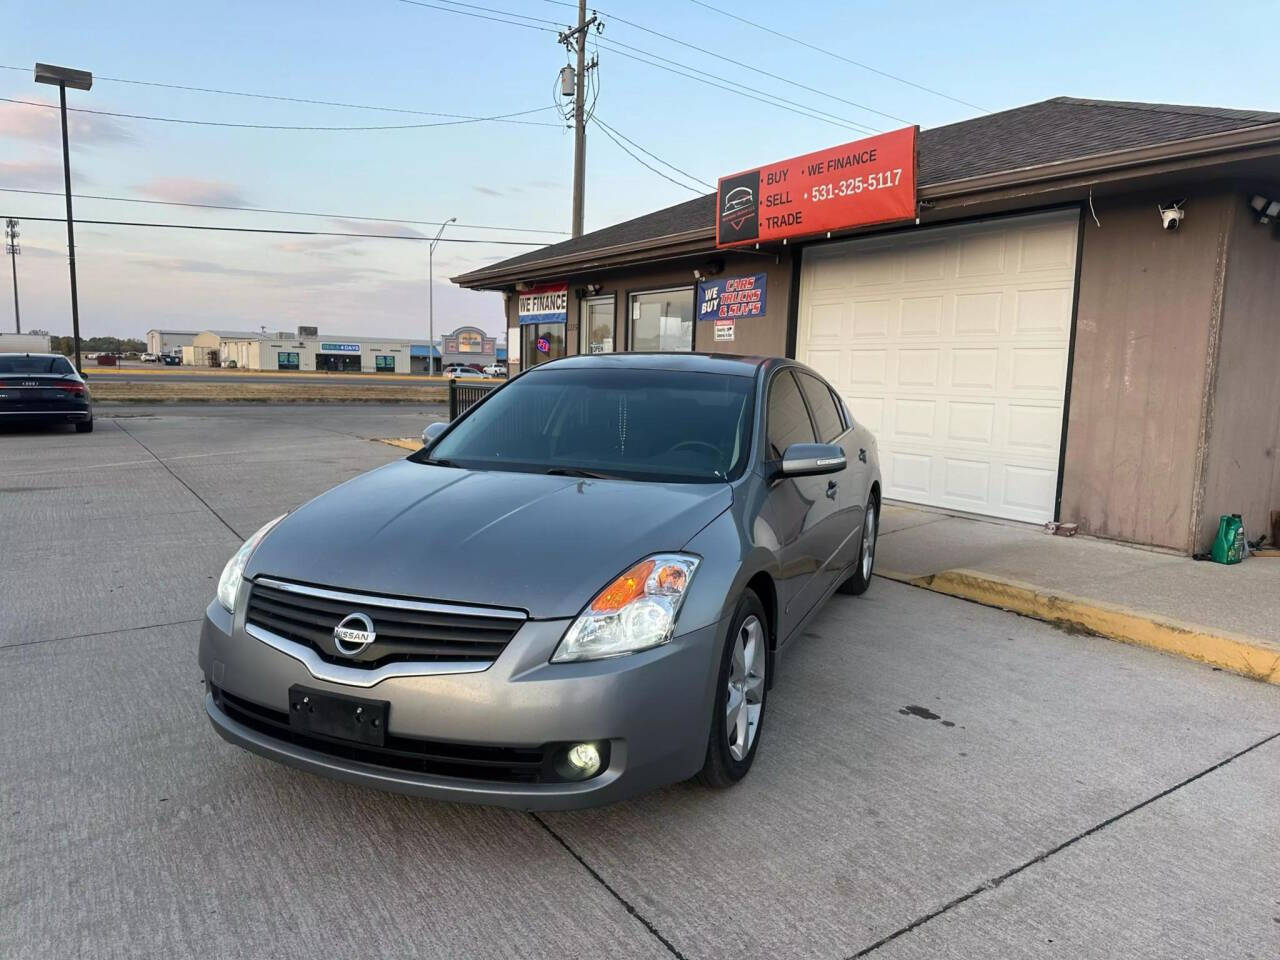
[{"x": 1171, "y": 216}]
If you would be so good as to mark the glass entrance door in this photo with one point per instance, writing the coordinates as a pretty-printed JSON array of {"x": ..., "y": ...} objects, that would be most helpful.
[{"x": 596, "y": 331}]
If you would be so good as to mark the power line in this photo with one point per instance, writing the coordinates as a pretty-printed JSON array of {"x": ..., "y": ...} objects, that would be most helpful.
[
  {"x": 814, "y": 114},
  {"x": 838, "y": 56},
  {"x": 505, "y": 13},
  {"x": 294, "y": 213},
  {"x": 274, "y": 126},
  {"x": 665, "y": 163},
  {"x": 740, "y": 89},
  {"x": 640, "y": 161},
  {"x": 481, "y": 16},
  {"x": 747, "y": 66},
  {"x": 284, "y": 99},
  {"x": 290, "y": 233}
]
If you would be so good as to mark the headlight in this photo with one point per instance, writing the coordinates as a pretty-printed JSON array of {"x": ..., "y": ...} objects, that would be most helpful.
[
  {"x": 635, "y": 612},
  {"x": 233, "y": 572}
]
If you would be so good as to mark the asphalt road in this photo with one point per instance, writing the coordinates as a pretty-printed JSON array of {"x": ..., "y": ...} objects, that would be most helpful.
[
  {"x": 150, "y": 373},
  {"x": 937, "y": 779}
]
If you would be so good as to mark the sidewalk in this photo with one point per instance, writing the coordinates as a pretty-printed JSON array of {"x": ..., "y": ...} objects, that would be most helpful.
[{"x": 1226, "y": 616}]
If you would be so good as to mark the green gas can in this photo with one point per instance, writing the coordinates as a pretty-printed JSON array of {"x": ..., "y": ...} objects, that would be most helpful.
[{"x": 1229, "y": 544}]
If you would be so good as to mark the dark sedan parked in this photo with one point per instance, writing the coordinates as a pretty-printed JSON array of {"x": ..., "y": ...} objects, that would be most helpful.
[
  {"x": 575, "y": 592},
  {"x": 45, "y": 388}
]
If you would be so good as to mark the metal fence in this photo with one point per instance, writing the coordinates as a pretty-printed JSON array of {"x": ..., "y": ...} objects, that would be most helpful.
[{"x": 462, "y": 396}]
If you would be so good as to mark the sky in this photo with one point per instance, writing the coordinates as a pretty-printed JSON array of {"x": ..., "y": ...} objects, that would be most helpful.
[{"x": 896, "y": 63}]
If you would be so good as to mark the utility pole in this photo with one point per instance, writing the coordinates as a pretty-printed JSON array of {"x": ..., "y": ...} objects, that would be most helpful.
[
  {"x": 431, "y": 299},
  {"x": 63, "y": 77},
  {"x": 576, "y": 42},
  {"x": 11, "y": 247}
]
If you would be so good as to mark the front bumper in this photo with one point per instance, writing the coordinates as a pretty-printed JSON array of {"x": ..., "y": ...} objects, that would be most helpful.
[{"x": 653, "y": 708}]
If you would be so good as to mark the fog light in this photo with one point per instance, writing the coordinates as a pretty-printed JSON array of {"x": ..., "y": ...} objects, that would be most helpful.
[
  {"x": 580, "y": 761},
  {"x": 584, "y": 758}
]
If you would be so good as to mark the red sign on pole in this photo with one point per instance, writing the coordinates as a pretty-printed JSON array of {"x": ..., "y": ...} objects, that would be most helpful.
[{"x": 864, "y": 182}]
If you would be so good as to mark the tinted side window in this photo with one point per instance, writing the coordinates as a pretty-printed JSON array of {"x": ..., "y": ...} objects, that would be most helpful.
[
  {"x": 788, "y": 419},
  {"x": 825, "y": 414}
]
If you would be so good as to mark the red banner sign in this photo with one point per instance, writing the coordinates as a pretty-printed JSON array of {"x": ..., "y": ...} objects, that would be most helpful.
[{"x": 860, "y": 183}]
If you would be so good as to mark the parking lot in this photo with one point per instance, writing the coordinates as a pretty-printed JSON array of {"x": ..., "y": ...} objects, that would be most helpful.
[{"x": 936, "y": 778}]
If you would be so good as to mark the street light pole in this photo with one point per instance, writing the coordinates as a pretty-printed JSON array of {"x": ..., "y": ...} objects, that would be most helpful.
[
  {"x": 63, "y": 77},
  {"x": 431, "y": 300},
  {"x": 11, "y": 247}
]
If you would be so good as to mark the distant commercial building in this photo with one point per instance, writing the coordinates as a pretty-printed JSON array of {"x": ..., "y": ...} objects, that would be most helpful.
[
  {"x": 167, "y": 341},
  {"x": 301, "y": 351},
  {"x": 469, "y": 345},
  {"x": 309, "y": 350}
]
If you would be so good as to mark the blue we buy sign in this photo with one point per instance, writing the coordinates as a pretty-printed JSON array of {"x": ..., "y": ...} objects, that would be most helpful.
[{"x": 731, "y": 298}]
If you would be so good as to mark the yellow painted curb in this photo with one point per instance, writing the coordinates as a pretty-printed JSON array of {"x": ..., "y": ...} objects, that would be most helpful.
[
  {"x": 408, "y": 443},
  {"x": 1249, "y": 656}
]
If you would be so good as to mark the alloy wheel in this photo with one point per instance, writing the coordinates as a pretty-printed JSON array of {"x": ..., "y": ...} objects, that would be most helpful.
[
  {"x": 869, "y": 541},
  {"x": 746, "y": 688}
]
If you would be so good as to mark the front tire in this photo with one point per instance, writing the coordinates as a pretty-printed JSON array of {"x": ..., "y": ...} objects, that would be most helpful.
[
  {"x": 741, "y": 690},
  {"x": 857, "y": 584}
]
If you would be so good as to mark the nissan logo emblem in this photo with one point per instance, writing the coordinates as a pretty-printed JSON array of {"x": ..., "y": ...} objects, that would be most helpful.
[{"x": 353, "y": 634}]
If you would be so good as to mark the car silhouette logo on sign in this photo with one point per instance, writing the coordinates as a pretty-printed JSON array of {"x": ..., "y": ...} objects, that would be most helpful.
[{"x": 354, "y": 634}]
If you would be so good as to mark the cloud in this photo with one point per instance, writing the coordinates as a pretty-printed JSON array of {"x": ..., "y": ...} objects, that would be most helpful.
[
  {"x": 487, "y": 191},
  {"x": 41, "y": 123},
  {"x": 189, "y": 265},
  {"x": 34, "y": 175},
  {"x": 387, "y": 229},
  {"x": 323, "y": 246},
  {"x": 194, "y": 190},
  {"x": 297, "y": 279}
]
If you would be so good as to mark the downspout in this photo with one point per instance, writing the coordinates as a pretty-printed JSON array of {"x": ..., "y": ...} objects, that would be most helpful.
[{"x": 1210, "y": 390}]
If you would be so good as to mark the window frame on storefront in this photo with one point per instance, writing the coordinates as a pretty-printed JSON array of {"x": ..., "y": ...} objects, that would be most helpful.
[
  {"x": 630, "y": 325},
  {"x": 537, "y": 328}
]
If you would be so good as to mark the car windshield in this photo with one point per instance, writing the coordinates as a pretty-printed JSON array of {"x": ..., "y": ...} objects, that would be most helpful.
[
  {"x": 22, "y": 363},
  {"x": 659, "y": 425}
]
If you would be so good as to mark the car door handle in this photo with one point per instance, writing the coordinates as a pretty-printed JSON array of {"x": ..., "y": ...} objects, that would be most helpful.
[
  {"x": 862, "y": 454},
  {"x": 832, "y": 487}
]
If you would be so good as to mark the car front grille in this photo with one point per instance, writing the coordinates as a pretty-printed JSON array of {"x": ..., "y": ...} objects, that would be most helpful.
[
  {"x": 406, "y": 630},
  {"x": 439, "y": 758}
]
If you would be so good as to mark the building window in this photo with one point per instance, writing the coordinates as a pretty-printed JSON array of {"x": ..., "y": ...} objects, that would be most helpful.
[
  {"x": 542, "y": 342},
  {"x": 384, "y": 364},
  {"x": 662, "y": 320},
  {"x": 595, "y": 326},
  {"x": 286, "y": 361},
  {"x": 470, "y": 341},
  {"x": 338, "y": 362}
]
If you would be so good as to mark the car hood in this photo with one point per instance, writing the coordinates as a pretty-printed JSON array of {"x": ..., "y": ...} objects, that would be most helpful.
[{"x": 544, "y": 544}]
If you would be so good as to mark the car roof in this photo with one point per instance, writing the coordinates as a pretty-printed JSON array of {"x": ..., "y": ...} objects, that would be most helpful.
[
  {"x": 29, "y": 353},
  {"x": 722, "y": 363}
]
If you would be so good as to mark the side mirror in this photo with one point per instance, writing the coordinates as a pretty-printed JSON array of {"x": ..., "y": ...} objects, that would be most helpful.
[
  {"x": 432, "y": 433},
  {"x": 811, "y": 460}
]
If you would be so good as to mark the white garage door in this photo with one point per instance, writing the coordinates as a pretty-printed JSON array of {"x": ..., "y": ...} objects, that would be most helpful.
[{"x": 951, "y": 344}]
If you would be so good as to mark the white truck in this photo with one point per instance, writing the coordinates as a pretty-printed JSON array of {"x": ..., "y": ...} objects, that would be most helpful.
[{"x": 24, "y": 343}]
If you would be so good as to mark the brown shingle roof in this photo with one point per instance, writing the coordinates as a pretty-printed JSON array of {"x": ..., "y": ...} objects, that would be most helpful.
[{"x": 1052, "y": 131}]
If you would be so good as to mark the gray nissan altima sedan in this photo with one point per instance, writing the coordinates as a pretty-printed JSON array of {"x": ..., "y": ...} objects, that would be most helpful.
[{"x": 577, "y": 591}]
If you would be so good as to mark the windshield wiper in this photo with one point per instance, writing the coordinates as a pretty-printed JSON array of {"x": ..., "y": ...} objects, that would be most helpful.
[
  {"x": 578, "y": 472},
  {"x": 436, "y": 462}
]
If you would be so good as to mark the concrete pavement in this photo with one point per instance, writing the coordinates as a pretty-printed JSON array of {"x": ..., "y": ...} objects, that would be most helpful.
[
  {"x": 937, "y": 779},
  {"x": 1228, "y": 616}
]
